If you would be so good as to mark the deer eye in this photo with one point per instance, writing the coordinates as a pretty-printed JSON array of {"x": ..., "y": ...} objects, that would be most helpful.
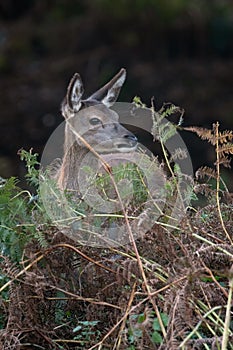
[{"x": 95, "y": 121}]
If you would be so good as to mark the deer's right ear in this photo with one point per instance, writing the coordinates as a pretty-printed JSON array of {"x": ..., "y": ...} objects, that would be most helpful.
[
  {"x": 74, "y": 93},
  {"x": 108, "y": 94}
]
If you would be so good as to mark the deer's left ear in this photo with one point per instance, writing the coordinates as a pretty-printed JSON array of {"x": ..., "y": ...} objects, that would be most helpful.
[
  {"x": 74, "y": 93},
  {"x": 108, "y": 94}
]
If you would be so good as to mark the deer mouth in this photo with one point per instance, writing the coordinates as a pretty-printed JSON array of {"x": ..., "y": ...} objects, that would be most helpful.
[
  {"x": 117, "y": 145},
  {"x": 127, "y": 147},
  {"x": 128, "y": 143}
]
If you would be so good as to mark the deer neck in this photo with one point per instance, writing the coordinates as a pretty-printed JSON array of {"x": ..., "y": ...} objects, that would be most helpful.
[{"x": 68, "y": 177}]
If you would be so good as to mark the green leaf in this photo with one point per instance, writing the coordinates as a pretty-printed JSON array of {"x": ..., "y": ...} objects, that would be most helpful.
[
  {"x": 156, "y": 325},
  {"x": 156, "y": 337},
  {"x": 76, "y": 329},
  {"x": 164, "y": 318},
  {"x": 141, "y": 318}
]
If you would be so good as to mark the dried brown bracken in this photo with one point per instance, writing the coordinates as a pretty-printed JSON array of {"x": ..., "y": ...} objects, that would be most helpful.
[{"x": 175, "y": 282}]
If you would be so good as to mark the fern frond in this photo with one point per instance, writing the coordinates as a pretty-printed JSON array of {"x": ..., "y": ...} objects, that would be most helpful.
[
  {"x": 9, "y": 268},
  {"x": 204, "y": 189},
  {"x": 169, "y": 109},
  {"x": 203, "y": 133},
  {"x": 225, "y": 161},
  {"x": 206, "y": 171},
  {"x": 179, "y": 153},
  {"x": 40, "y": 237},
  {"x": 225, "y": 136},
  {"x": 226, "y": 148},
  {"x": 32, "y": 165}
]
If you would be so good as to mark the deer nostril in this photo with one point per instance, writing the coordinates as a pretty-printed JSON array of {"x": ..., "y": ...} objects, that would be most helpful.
[{"x": 131, "y": 137}]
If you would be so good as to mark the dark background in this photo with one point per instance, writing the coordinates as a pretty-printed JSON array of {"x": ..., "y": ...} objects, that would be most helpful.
[{"x": 175, "y": 50}]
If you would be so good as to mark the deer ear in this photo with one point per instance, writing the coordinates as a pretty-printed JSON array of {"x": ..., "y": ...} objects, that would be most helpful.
[
  {"x": 74, "y": 93},
  {"x": 108, "y": 94}
]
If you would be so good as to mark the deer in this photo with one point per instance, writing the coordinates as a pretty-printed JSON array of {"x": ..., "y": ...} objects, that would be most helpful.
[
  {"x": 93, "y": 127},
  {"x": 90, "y": 125}
]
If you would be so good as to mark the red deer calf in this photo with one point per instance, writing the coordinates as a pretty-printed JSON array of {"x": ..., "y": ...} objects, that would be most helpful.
[{"x": 91, "y": 124}]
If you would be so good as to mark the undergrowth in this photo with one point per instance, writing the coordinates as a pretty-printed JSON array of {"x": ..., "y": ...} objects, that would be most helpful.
[{"x": 170, "y": 288}]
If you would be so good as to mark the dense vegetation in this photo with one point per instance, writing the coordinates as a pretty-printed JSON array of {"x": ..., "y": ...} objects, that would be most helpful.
[{"x": 169, "y": 289}]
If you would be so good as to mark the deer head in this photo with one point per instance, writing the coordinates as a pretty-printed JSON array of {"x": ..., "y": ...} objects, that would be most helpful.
[{"x": 94, "y": 120}]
